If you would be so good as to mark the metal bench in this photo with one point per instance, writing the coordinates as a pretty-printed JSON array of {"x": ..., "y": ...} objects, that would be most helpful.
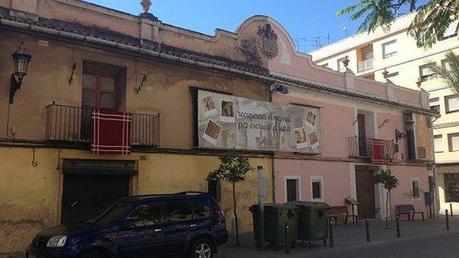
[{"x": 408, "y": 210}]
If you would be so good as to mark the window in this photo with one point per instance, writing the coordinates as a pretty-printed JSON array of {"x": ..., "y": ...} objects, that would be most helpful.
[
  {"x": 367, "y": 52},
  {"x": 451, "y": 31},
  {"x": 201, "y": 209},
  {"x": 415, "y": 188},
  {"x": 438, "y": 143},
  {"x": 451, "y": 187},
  {"x": 389, "y": 49},
  {"x": 340, "y": 65},
  {"x": 421, "y": 152},
  {"x": 292, "y": 192},
  {"x": 435, "y": 104},
  {"x": 147, "y": 215},
  {"x": 317, "y": 188},
  {"x": 451, "y": 103},
  {"x": 177, "y": 211},
  {"x": 453, "y": 142},
  {"x": 103, "y": 86},
  {"x": 425, "y": 71}
]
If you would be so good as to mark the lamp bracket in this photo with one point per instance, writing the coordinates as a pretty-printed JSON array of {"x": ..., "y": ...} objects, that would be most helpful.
[
  {"x": 15, "y": 85},
  {"x": 138, "y": 89}
]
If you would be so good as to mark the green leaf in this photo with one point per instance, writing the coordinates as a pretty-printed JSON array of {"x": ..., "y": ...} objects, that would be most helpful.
[{"x": 451, "y": 77}]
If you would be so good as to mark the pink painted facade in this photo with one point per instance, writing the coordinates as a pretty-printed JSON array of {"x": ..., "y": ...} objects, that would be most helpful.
[
  {"x": 336, "y": 167},
  {"x": 335, "y": 175}
]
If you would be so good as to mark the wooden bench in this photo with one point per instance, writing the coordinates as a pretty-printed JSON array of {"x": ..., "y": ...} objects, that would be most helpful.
[
  {"x": 408, "y": 210},
  {"x": 336, "y": 212}
]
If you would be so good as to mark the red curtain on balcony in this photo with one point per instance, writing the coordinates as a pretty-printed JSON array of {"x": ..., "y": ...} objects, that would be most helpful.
[
  {"x": 110, "y": 132},
  {"x": 377, "y": 151}
]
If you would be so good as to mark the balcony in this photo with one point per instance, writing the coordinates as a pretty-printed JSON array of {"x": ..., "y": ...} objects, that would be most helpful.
[
  {"x": 362, "y": 148},
  {"x": 73, "y": 125},
  {"x": 365, "y": 65}
]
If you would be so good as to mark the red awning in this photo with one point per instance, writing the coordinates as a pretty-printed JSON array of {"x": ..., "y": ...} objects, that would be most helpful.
[
  {"x": 110, "y": 132},
  {"x": 377, "y": 151}
]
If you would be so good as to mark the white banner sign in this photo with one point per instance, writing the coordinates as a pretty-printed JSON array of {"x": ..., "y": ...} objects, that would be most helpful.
[{"x": 228, "y": 122}]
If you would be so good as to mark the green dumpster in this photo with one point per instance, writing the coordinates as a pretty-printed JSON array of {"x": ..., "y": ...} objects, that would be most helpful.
[
  {"x": 276, "y": 216},
  {"x": 312, "y": 221}
]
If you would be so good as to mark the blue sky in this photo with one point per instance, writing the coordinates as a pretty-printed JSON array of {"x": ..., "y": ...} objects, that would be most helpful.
[{"x": 304, "y": 19}]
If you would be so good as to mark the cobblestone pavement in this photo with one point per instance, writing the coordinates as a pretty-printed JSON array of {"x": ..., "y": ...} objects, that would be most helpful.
[{"x": 418, "y": 239}]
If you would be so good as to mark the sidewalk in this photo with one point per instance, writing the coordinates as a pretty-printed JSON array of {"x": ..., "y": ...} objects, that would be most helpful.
[{"x": 348, "y": 237}]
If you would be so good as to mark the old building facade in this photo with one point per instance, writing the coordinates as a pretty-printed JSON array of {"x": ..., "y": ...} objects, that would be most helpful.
[
  {"x": 187, "y": 98},
  {"x": 383, "y": 55}
]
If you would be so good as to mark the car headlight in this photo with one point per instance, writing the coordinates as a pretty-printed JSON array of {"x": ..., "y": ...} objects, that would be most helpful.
[{"x": 56, "y": 241}]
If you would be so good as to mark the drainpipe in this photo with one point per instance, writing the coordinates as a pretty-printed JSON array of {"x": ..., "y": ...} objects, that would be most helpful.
[
  {"x": 273, "y": 183},
  {"x": 436, "y": 201}
]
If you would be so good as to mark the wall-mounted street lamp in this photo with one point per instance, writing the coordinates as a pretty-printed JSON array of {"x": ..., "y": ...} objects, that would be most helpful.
[{"x": 21, "y": 63}]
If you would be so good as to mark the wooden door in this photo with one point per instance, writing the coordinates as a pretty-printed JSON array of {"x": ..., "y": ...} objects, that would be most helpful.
[{"x": 364, "y": 178}]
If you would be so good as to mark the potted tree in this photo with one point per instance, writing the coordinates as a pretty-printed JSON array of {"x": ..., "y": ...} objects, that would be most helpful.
[
  {"x": 232, "y": 169},
  {"x": 389, "y": 182}
]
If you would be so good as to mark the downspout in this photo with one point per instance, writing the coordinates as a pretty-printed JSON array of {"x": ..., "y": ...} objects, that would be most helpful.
[{"x": 273, "y": 174}]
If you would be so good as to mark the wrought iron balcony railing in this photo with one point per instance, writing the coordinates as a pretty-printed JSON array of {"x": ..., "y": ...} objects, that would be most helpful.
[
  {"x": 360, "y": 148},
  {"x": 73, "y": 124},
  {"x": 365, "y": 65}
]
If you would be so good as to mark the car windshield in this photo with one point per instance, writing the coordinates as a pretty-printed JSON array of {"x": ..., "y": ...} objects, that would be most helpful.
[{"x": 111, "y": 213}]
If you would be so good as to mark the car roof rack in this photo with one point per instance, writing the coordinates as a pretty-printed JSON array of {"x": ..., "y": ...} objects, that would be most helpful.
[{"x": 168, "y": 194}]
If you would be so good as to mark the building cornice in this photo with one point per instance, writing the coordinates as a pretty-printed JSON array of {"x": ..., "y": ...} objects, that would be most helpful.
[{"x": 141, "y": 48}]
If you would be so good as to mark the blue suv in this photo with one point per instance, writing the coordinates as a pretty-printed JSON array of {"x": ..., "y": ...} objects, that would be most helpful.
[{"x": 188, "y": 224}]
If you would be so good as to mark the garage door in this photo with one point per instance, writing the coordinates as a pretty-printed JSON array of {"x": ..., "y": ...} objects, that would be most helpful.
[{"x": 90, "y": 186}]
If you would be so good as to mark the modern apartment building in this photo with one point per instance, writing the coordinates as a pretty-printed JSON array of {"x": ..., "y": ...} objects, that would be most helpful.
[{"x": 396, "y": 56}]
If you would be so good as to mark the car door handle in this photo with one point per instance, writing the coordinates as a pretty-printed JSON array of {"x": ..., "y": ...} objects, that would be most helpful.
[
  {"x": 158, "y": 230},
  {"x": 192, "y": 225}
]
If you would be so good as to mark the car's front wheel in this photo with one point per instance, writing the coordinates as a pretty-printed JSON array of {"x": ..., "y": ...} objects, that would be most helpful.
[{"x": 201, "y": 248}]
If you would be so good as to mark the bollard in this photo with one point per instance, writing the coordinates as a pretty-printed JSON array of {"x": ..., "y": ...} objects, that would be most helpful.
[
  {"x": 286, "y": 242},
  {"x": 367, "y": 228},
  {"x": 447, "y": 219},
  {"x": 397, "y": 219},
  {"x": 330, "y": 231},
  {"x": 451, "y": 209}
]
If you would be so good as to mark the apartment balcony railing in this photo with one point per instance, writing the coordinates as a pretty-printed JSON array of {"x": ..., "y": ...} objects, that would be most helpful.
[
  {"x": 73, "y": 124},
  {"x": 361, "y": 148},
  {"x": 365, "y": 65}
]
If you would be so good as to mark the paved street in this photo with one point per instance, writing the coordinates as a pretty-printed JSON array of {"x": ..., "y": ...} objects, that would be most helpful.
[{"x": 419, "y": 239}]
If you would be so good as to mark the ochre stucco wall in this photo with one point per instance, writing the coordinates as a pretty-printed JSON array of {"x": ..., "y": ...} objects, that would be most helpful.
[
  {"x": 167, "y": 89},
  {"x": 30, "y": 197}
]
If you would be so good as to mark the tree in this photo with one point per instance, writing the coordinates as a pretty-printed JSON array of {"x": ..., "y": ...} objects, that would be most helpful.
[
  {"x": 449, "y": 73},
  {"x": 389, "y": 182},
  {"x": 232, "y": 169},
  {"x": 429, "y": 25}
]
